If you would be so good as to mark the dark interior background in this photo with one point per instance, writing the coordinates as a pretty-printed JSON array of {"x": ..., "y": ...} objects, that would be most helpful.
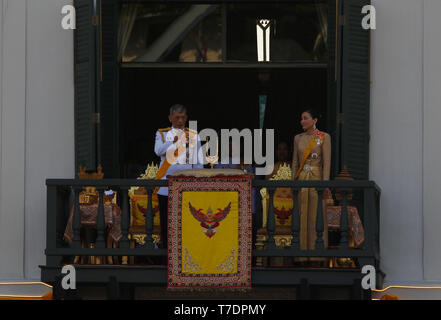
[{"x": 218, "y": 98}]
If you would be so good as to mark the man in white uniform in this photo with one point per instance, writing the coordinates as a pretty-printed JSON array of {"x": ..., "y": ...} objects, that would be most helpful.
[{"x": 178, "y": 146}]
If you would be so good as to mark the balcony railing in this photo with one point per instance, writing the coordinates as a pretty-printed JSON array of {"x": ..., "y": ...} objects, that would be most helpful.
[{"x": 63, "y": 194}]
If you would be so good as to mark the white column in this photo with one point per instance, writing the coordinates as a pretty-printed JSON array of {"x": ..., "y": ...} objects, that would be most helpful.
[
  {"x": 12, "y": 137},
  {"x": 50, "y": 151},
  {"x": 396, "y": 135},
  {"x": 432, "y": 140}
]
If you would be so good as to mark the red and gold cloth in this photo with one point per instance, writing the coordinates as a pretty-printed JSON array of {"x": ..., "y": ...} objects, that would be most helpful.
[
  {"x": 138, "y": 209},
  {"x": 89, "y": 214},
  {"x": 209, "y": 232},
  {"x": 356, "y": 230}
]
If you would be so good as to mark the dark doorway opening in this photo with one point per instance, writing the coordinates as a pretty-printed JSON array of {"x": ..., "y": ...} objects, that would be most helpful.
[{"x": 218, "y": 98}]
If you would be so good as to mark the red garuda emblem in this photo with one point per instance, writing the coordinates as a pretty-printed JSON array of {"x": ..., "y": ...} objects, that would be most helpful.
[
  {"x": 209, "y": 221},
  {"x": 282, "y": 214},
  {"x": 144, "y": 210}
]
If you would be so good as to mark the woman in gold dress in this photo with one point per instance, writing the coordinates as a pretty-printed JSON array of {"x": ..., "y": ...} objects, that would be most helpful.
[{"x": 311, "y": 161}]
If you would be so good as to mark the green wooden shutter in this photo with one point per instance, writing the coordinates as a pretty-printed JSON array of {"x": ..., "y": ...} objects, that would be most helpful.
[
  {"x": 85, "y": 86},
  {"x": 334, "y": 81},
  {"x": 355, "y": 93},
  {"x": 108, "y": 96}
]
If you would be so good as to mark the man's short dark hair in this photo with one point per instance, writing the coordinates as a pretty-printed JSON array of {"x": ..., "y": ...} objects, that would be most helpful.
[{"x": 178, "y": 108}]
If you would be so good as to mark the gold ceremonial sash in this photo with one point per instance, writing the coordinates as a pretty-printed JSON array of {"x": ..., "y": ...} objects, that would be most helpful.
[
  {"x": 307, "y": 152},
  {"x": 162, "y": 171},
  {"x": 166, "y": 165}
]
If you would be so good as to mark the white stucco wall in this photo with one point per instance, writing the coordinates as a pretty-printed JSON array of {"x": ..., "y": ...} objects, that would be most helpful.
[
  {"x": 405, "y": 139},
  {"x": 396, "y": 146},
  {"x": 12, "y": 137},
  {"x": 432, "y": 140},
  {"x": 49, "y": 118},
  {"x": 37, "y": 132},
  {"x": 37, "y": 126}
]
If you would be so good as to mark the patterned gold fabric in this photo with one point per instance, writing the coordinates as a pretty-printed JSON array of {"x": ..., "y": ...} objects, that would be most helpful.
[
  {"x": 308, "y": 211},
  {"x": 320, "y": 155},
  {"x": 316, "y": 167},
  {"x": 356, "y": 230},
  {"x": 112, "y": 214}
]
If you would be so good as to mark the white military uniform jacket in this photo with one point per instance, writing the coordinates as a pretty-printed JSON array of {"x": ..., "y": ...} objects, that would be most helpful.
[{"x": 190, "y": 159}]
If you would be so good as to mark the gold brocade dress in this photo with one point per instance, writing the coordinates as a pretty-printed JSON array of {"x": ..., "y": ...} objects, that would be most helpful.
[{"x": 316, "y": 167}]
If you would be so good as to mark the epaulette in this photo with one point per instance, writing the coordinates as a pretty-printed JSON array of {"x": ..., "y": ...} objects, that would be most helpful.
[
  {"x": 161, "y": 131},
  {"x": 190, "y": 132}
]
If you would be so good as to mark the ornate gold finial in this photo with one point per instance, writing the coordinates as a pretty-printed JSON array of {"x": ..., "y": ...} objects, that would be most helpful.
[
  {"x": 344, "y": 176},
  {"x": 149, "y": 174},
  {"x": 283, "y": 173}
]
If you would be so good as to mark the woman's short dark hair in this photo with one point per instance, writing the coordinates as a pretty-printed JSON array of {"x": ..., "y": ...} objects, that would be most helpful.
[{"x": 314, "y": 114}]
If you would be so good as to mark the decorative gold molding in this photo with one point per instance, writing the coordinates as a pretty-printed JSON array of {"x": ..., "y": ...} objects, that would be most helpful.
[
  {"x": 139, "y": 238},
  {"x": 281, "y": 240}
]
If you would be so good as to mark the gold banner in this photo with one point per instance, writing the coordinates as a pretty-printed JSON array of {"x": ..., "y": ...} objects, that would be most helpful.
[{"x": 209, "y": 232}]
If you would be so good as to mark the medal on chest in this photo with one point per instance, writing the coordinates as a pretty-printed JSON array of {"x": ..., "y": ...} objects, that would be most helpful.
[
  {"x": 318, "y": 137},
  {"x": 318, "y": 141}
]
